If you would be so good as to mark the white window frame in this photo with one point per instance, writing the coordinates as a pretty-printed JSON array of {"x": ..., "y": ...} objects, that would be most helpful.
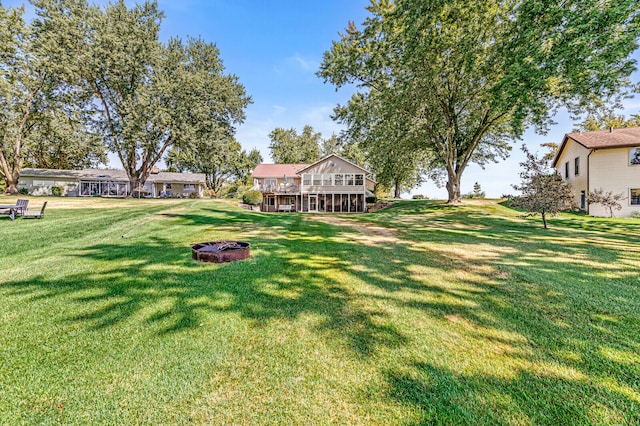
[{"x": 634, "y": 155}]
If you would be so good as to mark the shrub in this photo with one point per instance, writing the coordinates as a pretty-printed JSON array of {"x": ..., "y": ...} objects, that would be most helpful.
[
  {"x": 57, "y": 190},
  {"x": 635, "y": 215},
  {"x": 194, "y": 194},
  {"x": 418, "y": 197},
  {"x": 252, "y": 197},
  {"x": 371, "y": 200},
  {"x": 23, "y": 191}
]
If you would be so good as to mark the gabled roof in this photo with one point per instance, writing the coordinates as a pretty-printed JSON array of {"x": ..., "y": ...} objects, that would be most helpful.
[
  {"x": 330, "y": 156},
  {"x": 112, "y": 175},
  {"x": 276, "y": 170},
  {"x": 603, "y": 139}
]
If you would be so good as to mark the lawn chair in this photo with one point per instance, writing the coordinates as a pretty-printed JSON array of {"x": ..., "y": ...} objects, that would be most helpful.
[
  {"x": 35, "y": 214},
  {"x": 22, "y": 207}
]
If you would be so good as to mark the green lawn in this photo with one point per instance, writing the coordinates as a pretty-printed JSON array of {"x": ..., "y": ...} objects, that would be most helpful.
[{"x": 420, "y": 313}]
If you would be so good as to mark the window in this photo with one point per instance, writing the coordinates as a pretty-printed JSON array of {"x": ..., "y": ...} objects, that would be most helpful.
[
  {"x": 270, "y": 201},
  {"x": 317, "y": 179},
  {"x": 635, "y": 197},
  {"x": 576, "y": 166},
  {"x": 167, "y": 186},
  {"x": 189, "y": 187},
  {"x": 326, "y": 180},
  {"x": 289, "y": 200},
  {"x": 566, "y": 169},
  {"x": 348, "y": 180},
  {"x": 583, "y": 200},
  {"x": 634, "y": 156},
  {"x": 306, "y": 179},
  {"x": 359, "y": 180},
  {"x": 43, "y": 183},
  {"x": 338, "y": 179}
]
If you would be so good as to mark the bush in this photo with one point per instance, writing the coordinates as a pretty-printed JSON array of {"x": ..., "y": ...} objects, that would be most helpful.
[
  {"x": 57, "y": 190},
  {"x": 635, "y": 215},
  {"x": 418, "y": 197},
  {"x": 23, "y": 191},
  {"x": 371, "y": 200},
  {"x": 194, "y": 194},
  {"x": 252, "y": 197}
]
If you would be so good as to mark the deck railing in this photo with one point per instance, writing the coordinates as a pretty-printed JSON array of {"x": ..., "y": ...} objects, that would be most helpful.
[{"x": 280, "y": 188}]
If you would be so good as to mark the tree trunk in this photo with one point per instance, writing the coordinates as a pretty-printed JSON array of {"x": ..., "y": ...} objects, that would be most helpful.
[
  {"x": 11, "y": 172},
  {"x": 396, "y": 189},
  {"x": 453, "y": 188},
  {"x": 134, "y": 183},
  {"x": 12, "y": 187},
  {"x": 544, "y": 220}
]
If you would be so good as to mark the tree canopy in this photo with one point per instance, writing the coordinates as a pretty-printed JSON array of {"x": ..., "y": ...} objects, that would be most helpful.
[
  {"x": 465, "y": 77},
  {"x": 607, "y": 119},
  {"x": 145, "y": 96},
  {"x": 289, "y": 147}
]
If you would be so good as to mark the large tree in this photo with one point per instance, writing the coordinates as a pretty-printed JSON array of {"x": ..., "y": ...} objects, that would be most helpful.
[
  {"x": 215, "y": 158},
  {"x": 470, "y": 75},
  {"x": 147, "y": 96},
  {"x": 26, "y": 86},
  {"x": 386, "y": 142},
  {"x": 244, "y": 164},
  {"x": 289, "y": 147},
  {"x": 61, "y": 139}
]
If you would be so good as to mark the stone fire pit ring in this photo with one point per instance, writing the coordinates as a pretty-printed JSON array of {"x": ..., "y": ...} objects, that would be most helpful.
[{"x": 220, "y": 251}]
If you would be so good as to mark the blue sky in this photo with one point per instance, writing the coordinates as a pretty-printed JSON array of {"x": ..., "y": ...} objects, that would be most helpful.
[{"x": 275, "y": 48}]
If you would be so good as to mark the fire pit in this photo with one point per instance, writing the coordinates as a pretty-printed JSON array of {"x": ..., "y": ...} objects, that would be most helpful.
[{"x": 220, "y": 251}]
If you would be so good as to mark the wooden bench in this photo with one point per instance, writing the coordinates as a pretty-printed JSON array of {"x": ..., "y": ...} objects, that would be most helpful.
[{"x": 286, "y": 208}]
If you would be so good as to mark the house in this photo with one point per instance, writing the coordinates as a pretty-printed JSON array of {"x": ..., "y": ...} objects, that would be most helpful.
[
  {"x": 332, "y": 184},
  {"x": 109, "y": 183},
  {"x": 604, "y": 159}
]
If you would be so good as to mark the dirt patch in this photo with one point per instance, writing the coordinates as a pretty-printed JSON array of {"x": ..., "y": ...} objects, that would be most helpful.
[{"x": 366, "y": 233}]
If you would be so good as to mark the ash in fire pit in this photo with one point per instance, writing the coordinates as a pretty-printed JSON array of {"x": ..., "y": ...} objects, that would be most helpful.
[{"x": 220, "y": 251}]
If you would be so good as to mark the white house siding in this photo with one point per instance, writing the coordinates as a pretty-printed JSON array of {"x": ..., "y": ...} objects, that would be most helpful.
[
  {"x": 42, "y": 185},
  {"x": 611, "y": 171},
  {"x": 579, "y": 182},
  {"x": 334, "y": 164}
]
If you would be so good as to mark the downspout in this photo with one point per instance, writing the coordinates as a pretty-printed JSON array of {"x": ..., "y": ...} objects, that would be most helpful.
[{"x": 588, "y": 174}]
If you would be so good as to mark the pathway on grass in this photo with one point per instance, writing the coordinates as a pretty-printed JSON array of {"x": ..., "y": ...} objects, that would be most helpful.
[{"x": 367, "y": 233}]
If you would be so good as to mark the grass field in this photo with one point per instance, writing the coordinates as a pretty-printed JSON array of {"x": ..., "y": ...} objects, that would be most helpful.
[{"x": 420, "y": 313}]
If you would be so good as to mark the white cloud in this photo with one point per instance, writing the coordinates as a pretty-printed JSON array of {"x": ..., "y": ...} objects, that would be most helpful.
[{"x": 305, "y": 64}]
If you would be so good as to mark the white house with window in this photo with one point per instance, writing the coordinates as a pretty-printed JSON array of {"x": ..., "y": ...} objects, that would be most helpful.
[
  {"x": 332, "y": 184},
  {"x": 110, "y": 183},
  {"x": 604, "y": 159}
]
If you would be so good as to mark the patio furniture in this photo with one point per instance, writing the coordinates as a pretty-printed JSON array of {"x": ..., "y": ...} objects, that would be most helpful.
[
  {"x": 35, "y": 214},
  {"x": 22, "y": 206},
  {"x": 9, "y": 209}
]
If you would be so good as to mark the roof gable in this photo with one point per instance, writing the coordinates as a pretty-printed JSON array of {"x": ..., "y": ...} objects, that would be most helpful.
[
  {"x": 602, "y": 139},
  {"x": 330, "y": 157}
]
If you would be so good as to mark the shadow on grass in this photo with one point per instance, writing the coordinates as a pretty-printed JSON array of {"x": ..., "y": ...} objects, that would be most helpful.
[{"x": 569, "y": 298}]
